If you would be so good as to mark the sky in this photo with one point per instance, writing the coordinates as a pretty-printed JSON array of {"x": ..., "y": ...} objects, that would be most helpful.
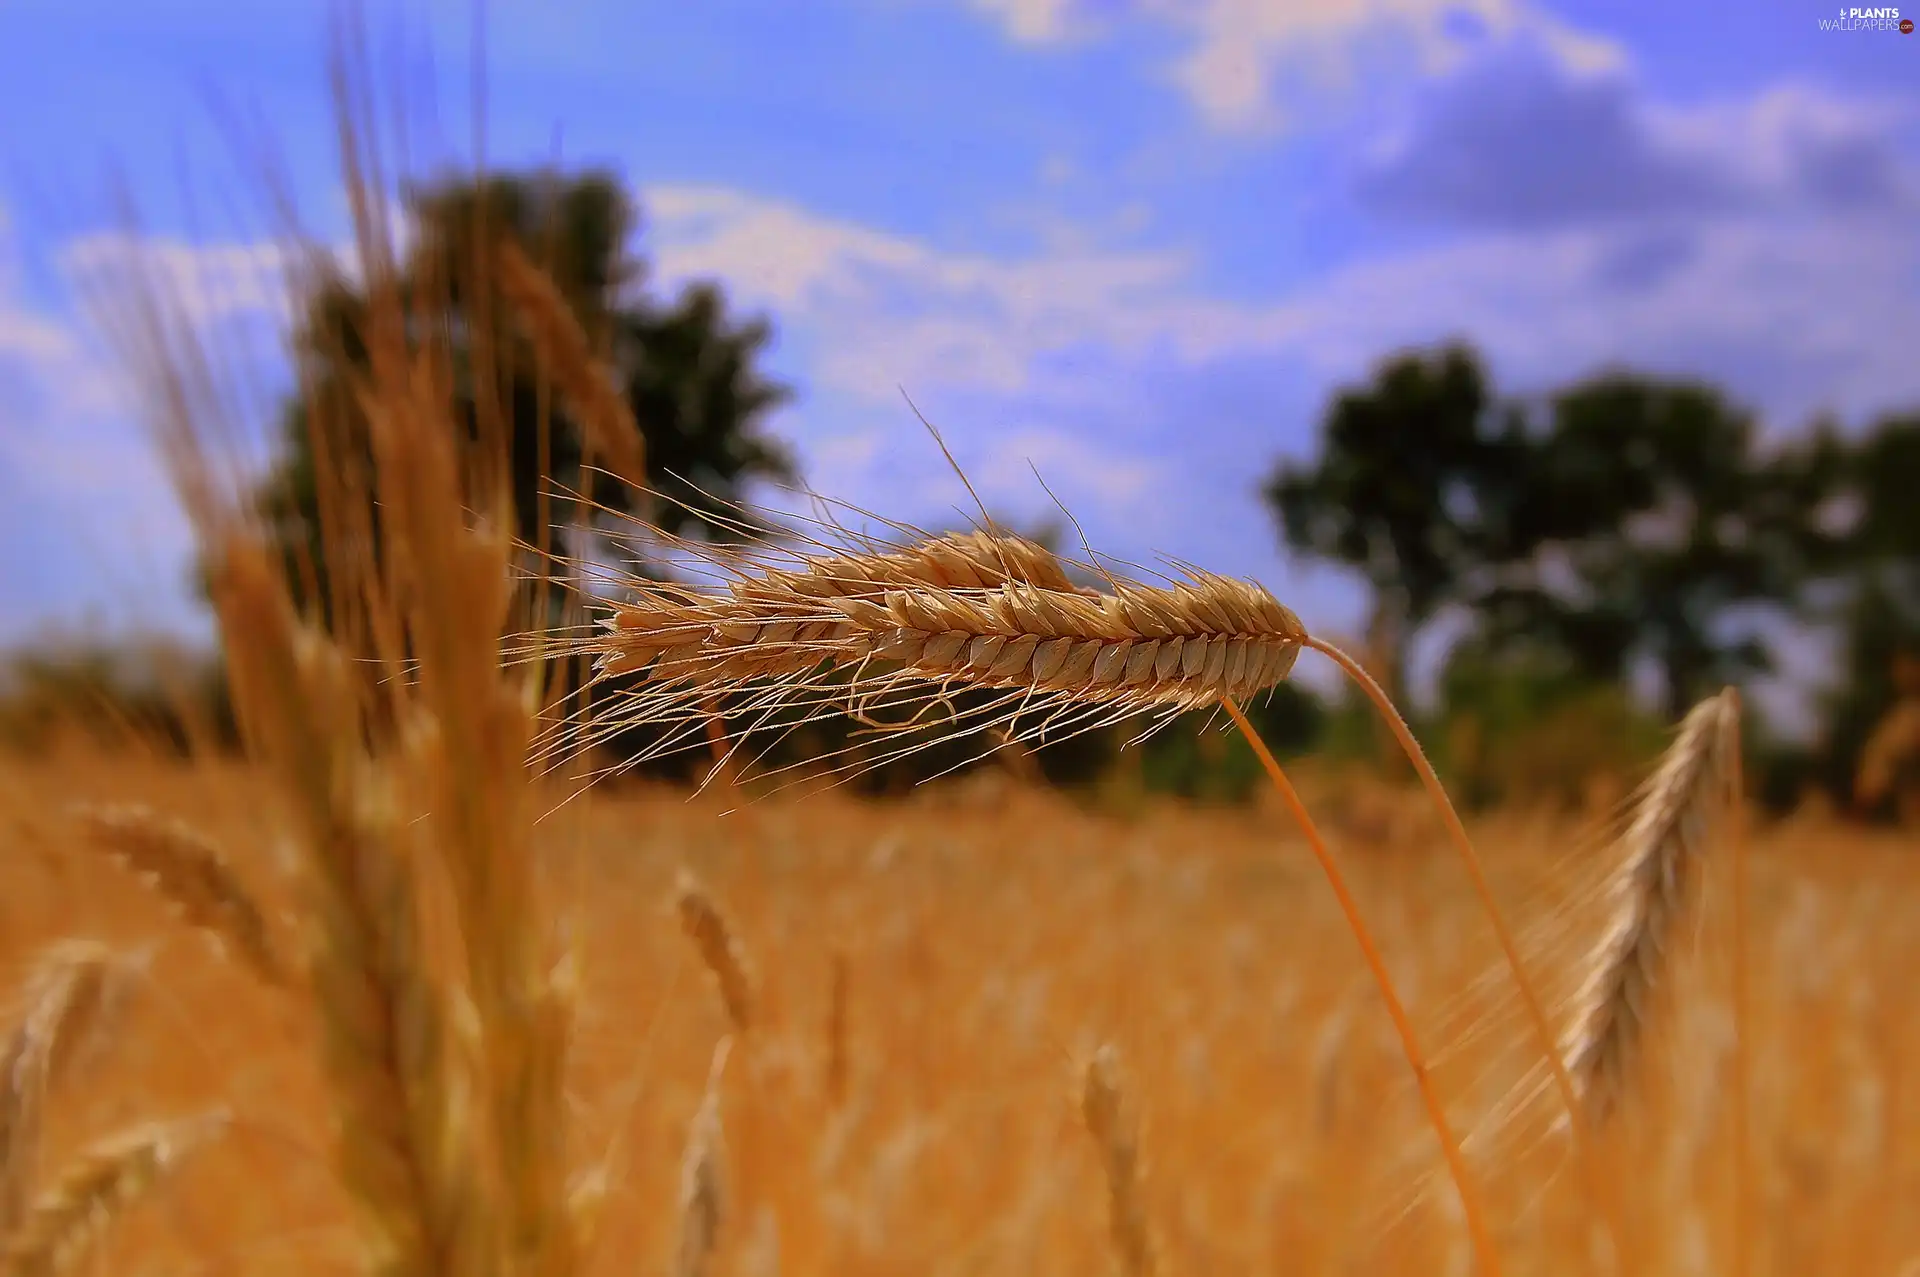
[{"x": 1131, "y": 245}]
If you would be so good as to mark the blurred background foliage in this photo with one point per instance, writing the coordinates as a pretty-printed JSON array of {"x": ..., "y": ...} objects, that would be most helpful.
[{"x": 1600, "y": 556}]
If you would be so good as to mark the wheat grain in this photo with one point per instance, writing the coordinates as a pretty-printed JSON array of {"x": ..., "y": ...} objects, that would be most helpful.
[
  {"x": 192, "y": 874},
  {"x": 1650, "y": 889},
  {"x": 67, "y": 1219}
]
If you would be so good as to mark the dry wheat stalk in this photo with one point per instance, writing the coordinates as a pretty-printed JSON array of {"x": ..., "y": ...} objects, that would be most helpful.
[
  {"x": 702, "y": 1202},
  {"x": 707, "y": 926},
  {"x": 1101, "y": 1102},
  {"x": 404, "y": 1144},
  {"x": 69, "y": 1217},
  {"x": 467, "y": 734},
  {"x": 1650, "y": 889},
  {"x": 192, "y": 874},
  {"x": 66, "y": 999},
  {"x": 561, "y": 345}
]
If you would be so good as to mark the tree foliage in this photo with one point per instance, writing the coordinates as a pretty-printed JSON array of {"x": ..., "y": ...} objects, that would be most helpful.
[{"x": 689, "y": 371}]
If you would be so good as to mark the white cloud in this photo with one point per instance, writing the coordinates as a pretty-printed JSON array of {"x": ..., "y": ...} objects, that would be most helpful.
[
  {"x": 890, "y": 309},
  {"x": 1235, "y": 50},
  {"x": 1813, "y": 308}
]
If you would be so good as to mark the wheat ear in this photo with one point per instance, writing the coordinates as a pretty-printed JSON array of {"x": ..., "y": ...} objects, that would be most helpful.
[
  {"x": 561, "y": 345},
  {"x": 1118, "y": 1143},
  {"x": 467, "y": 733},
  {"x": 837, "y": 1063},
  {"x": 65, "y": 999},
  {"x": 702, "y": 1204},
  {"x": 405, "y": 1147},
  {"x": 190, "y": 872},
  {"x": 67, "y": 1219},
  {"x": 1651, "y": 888},
  {"x": 713, "y": 936}
]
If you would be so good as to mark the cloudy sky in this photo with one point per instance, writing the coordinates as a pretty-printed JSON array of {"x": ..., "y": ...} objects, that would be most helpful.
[{"x": 1130, "y": 243}]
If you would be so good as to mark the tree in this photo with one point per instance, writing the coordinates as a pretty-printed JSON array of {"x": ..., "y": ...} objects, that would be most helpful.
[
  {"x": 688, "y": 371},
  {"x": 1414, "y": 487},
  {"x": 1652, "y": 524},
  {"x": 1879, "y": 620}
]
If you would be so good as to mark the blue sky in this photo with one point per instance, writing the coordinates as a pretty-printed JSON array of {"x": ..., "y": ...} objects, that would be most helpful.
[{"x": 1132, "y": 243}]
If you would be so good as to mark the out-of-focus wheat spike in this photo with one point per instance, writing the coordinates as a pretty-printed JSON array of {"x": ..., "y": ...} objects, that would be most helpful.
[
  {"x": 1651, "y": 888},
  {"x": 67, "y": 1219},
  {"x": 837, "y": 1063},
  {"x": 706, "y": 925},
  {"x": 65, "y": 1002},
  {"x": 404, "y": 1142},
  {"x": 702, "y": 1202},
  {"x": 1101, "y": 1105},
  {"x": 554, "y": 331},
  {"x": 1893, "y": 746},
  {"x": 192, "y": 874}
]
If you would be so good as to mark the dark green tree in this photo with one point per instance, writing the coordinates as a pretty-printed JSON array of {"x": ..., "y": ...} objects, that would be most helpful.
[
  {"x": 688, "y": 370},
  {"x": 1415, "y": 486},
  {"x": 1653, "y": 527},
  {"x": 1879, "y": 600}
]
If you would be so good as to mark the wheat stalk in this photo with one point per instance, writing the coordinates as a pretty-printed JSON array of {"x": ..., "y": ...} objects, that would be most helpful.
[
  {"x": 1119, "y": 1148},
  {"x": 467, "y": 734},
  {"x": 404, "y": 1144},
  {"x": 192, "y": 874},
  {"x": 1650, "y": 890},
  {"x": 66, "y": 1220}
]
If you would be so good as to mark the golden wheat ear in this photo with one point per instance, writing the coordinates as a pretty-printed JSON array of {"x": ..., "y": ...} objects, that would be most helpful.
[
  {"x": 1648, "y": 895},
  {"x": 1117, "y": 1140},
  {"x": 193, "y": 876},
  {"x": 69, "y": 1217}
]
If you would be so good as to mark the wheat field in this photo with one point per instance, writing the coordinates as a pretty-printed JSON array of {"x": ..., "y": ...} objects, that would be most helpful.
[{"x": 926, "y": 981}]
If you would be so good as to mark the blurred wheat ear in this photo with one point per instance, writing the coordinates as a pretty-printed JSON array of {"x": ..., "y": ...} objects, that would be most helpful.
[
  {"x": 412, "y": 801},
  {"x": 1651, "y": 890},
  {"x": 65, "y": 1007}
]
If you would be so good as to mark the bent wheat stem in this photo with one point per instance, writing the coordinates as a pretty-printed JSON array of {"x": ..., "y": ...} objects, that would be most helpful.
[
  {"x": 1546, "y": 1040},
  {"x": 1486, "y": 1259}
]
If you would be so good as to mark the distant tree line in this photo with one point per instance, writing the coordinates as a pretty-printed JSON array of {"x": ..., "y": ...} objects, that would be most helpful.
[{"x": 1623, "y": 526}]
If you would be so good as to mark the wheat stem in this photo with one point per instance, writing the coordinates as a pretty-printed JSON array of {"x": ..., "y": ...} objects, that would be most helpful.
[
  {"x": 1545, "y": 1039},
  {"x": 1486, "y": 1257}
]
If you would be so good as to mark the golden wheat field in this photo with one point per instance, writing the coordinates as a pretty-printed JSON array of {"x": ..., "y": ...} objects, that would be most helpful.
[{"x": 926, "y": 982}]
